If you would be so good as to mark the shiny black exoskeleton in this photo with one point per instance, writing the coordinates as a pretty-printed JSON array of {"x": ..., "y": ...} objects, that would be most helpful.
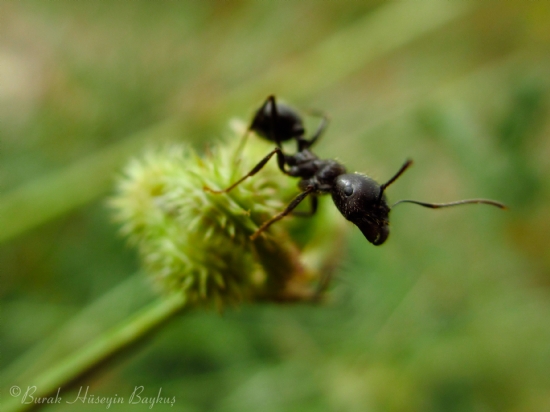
[
  {"x": 278, "y": 123},
  {"x": 359, "y": 198}
]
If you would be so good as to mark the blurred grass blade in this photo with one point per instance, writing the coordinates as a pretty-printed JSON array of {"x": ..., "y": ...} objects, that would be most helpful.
[
  {"x": 378, "y": 33},
  {"x": 116, "y": 305},
  {"x": 50, "y": 196},
  {"x": 101, "y": 349},
  {"x": 390, "y": 27}
]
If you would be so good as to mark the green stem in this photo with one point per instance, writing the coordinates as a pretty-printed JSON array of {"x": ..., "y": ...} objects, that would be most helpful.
[
  {"x": 99, "y": 351},
  {"x": 99, "y": 316}
]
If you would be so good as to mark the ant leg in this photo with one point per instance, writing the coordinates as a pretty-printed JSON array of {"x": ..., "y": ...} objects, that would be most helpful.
[
  {"x": 256, "y": 169},
  {"x": 273, "y": 119},
  {"x": 240, "y": 147},
  {"x": 305, "y": 144},
  {"x": 295, "y": 202},
  {"x": 322, "y": 287},
  {"x": 383, "y": 187},
  {"x": 270, "y": 100},
  {"x": 313, "y": 208}
]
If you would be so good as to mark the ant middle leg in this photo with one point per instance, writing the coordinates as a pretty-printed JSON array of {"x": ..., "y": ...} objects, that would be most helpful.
[
  {"x": 292, "y": 205},
  {"x": 280, "y": 162}
]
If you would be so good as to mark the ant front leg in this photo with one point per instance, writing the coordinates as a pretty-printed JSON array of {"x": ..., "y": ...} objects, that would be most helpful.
[
  {"x": 313, "y": 208},
  {"x": 297, "y": 200},
  {"x": 280, "y": 162}
]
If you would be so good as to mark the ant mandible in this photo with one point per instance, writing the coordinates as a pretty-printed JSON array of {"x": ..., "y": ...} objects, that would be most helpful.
[{"x": 359, "y": 198}]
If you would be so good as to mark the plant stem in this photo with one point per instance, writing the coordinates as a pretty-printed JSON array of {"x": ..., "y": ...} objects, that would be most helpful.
[{"x": 102, "y": 349}]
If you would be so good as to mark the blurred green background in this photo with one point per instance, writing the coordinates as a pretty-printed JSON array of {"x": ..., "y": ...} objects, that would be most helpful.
[{"x": 451, "y": 314}]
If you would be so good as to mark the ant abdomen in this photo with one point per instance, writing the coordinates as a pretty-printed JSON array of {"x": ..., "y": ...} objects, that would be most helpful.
[{"x": 277, "y": 123}]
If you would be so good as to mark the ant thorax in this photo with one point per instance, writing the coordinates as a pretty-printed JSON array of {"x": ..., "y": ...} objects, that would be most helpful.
[{"x": 318, "y": 174}]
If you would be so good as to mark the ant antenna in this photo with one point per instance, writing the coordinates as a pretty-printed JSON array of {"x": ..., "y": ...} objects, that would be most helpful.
[
  {"x": 457, "y": 203},
  {"x": 383, "y": 187},
  {"x": 408, "y": 164}
]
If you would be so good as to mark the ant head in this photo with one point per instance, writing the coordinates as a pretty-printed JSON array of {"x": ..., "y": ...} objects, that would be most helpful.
[
  {"x": 277, "y": 122},
  {"x": 361, "y": 201}
]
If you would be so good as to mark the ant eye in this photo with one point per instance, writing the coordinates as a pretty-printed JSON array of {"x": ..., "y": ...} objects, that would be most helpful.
[{"x": 348, "y": 190}]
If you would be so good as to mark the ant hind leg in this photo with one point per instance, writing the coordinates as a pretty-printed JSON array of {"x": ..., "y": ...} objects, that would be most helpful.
[
  {"x": 269, "y": 100},
  {"x": 292, "y": 205},
  {"x": 307, "y": 143}
]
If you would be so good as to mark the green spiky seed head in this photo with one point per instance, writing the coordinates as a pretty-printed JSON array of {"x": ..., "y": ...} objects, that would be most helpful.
[{"x": 197, "y": 242}]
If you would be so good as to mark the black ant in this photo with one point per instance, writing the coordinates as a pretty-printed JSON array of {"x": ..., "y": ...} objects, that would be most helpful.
[{"x": 359, "y": 198}]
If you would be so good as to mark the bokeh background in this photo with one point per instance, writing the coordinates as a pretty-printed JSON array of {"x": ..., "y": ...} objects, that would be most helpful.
[{"x": 452, "y": 314}]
